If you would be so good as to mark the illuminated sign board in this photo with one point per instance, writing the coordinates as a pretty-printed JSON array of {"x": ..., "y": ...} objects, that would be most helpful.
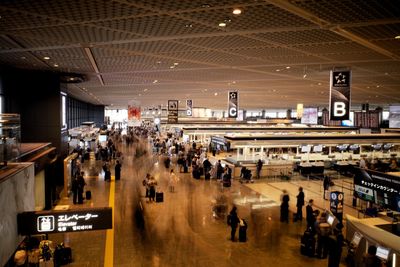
[{"x": 48, "y": 222}]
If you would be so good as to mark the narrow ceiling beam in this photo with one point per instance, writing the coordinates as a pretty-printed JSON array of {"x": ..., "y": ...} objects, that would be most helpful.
[{"x": 90, "y": 56}]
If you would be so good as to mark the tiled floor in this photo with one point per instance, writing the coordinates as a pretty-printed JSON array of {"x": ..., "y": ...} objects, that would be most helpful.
[{"x": 182, "y": 230}]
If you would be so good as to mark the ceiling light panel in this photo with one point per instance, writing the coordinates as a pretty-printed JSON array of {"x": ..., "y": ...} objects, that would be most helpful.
[
  {"x": 350, "y": 10},
  {"x": 261, "y": 16}
]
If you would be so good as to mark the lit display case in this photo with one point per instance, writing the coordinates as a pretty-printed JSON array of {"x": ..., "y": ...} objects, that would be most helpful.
[{"x": 10, "y": 137}]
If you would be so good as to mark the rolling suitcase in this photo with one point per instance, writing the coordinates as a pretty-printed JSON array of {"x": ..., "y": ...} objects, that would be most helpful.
[
  {"x": 207, "y": 176},
  {"x": 88, "y": 195},
  {"x": 185, "y": 168},
  {"x": 242, "y": 231},
  {"x": 159, "y": 197},
  {"x": 307, "y": 246}
]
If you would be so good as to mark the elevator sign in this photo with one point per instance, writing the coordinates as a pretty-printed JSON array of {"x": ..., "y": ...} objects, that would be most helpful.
[
  {"x": 47, "y": 222},
  {"x": 339, "y": 100}
]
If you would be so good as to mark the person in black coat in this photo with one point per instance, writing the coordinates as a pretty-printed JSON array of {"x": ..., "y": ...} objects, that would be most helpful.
[
  {"x": 81, "y": 184},
  {"x": 74, "y": 189},
  {"x": 310, "y": 216},
  {"x": 285, "y": 206},
  {"x": 299, "y": 204},
  {"x": 118, "y": 170},
  {"x": 335, "y": 244},
  {"x": 233, "y": 221}
]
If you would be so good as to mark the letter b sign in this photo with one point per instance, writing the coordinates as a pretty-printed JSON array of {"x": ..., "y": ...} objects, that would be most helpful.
[{"x": 339, "y": 109}]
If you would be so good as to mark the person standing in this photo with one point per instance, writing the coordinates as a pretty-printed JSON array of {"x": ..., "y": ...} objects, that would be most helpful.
[
  {"x": 259, "y": 167},
  {"x": 285, "y": 206},
  {"x": 233, "y": 221},
  {"x": 326, "y": 183},
  {"x": 152, "y": 188},
  {"x": 81, "y": 185},
  {"x": 173, "y": 180},
  {"x": 299, "y": 205},
  {"x": 118, "y": 170},
  {"x": 74, "y": 189},
  {"x": 310, "y": 217},
  {"x": 335, "y": 244}
]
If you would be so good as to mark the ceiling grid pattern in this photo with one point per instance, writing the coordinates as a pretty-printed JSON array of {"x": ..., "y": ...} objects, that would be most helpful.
[{"x": 269, "y": 53}]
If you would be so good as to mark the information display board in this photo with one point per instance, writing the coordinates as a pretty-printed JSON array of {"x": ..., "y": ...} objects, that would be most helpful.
[
  {"x": 173, "y": 111},
  {"x": 49, "y": 222}
]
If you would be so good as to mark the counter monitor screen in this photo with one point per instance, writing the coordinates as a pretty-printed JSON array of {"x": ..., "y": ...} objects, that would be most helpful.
[
  {"x": 356, "y": 239},
  {"x": 102, "y": 138},
  {"x": 353, "y": 147},
  {"x": 382, "y": 252},
  {"x": 305, "y": 149},
  {"x": 377, "y": 146},
  {"x": 317, "y": 149}
]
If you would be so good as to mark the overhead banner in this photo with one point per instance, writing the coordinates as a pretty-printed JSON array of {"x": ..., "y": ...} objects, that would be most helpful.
[
  {"x": 49, "y": 222},
  {"x": 134, "y": 113},
  {"x": 339, "y": 96},
  {"x": 233, "y": 104},
  {"x": 173, "y": 111},
  {"x": 189, "y": 107}
]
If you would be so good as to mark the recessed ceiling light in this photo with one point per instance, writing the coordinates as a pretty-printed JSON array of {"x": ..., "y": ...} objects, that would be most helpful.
[
  {"x": 55, "y": 65},
  {"x": 188, "y": 25},
  {"x": 386, "y": 73},
  {"x": 222, "y": 24},
  {"x": 377, "y": 86},
  {"x": 397, "y": 37},
  {"x": 46, "y": 58},
  {"x": 205, "y": 90},
  {"x": 176, "y": 63},
  {"x": 172, "y": 67},
  {"x": 206, "y": 5},
  {"x": 288, "y": 67},
  {"x": 319, "y": 83},
  {"x": 237, "y": 11},
  {"x": 155, "y": 81},
  {"x": 140, "y": 94},
  {"x": 158, "y": 62},
  {"x": 277, "y": 70},
  {"x": 23, "y": 57},
  {"x": 305, "y": 75},
  {"x": 234, "y": 82},
  {"x": 215, "y": 94},
  {"x": 145, "y": 90},
  {"x": 274, "y": 90}
]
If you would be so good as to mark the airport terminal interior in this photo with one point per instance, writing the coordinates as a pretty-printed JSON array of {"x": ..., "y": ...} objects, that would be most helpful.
[{"x": 200, "y": 133}]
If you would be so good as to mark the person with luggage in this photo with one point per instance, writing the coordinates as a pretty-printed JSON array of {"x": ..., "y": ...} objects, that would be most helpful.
[
  {"x": 152, "y": 183},
  {"x": 242, "y": 230},
  {"x": 118, "y": 170},
  {"x": 285, "y": 206},
  {"x": 81, "y": 184},
  {"x": 207, "y": 168},
  {"x": 299, "y": 205},
  {"x": 107, "y": 172},
  {"x": 173, "y": 180},
  {"x": 220, "y": 169},
  {"x": 233, "y": 221}
]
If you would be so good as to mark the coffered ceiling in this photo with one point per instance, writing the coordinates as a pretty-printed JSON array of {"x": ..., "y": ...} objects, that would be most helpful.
[{"x": 276, "y": 53}]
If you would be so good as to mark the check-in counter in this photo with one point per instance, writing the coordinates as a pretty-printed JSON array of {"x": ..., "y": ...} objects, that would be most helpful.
[
  {"x": 272, "y": 169},
  {"x": 373, "y": 233}
]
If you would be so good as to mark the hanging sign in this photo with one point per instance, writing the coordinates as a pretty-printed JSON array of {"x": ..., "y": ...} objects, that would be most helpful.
[
  {"x": 189, "y": 107},
  {"x": 173, "y": 111},
  {"x": 339, "y": 97},
  {"x": 134, "y": 113},
  {"x": 233, "y": 104},
  {"x": 48, "y": 222}
]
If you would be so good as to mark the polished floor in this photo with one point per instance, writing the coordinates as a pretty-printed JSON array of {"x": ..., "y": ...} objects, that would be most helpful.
[{"x": 182, "y": 230}]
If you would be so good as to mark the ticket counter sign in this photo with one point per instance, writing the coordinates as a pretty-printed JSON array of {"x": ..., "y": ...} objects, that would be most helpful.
[
  {"x": 339, "y": 101},
  {"x": 336, "y": 201},
  {"x": 48, "y": 222}
]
